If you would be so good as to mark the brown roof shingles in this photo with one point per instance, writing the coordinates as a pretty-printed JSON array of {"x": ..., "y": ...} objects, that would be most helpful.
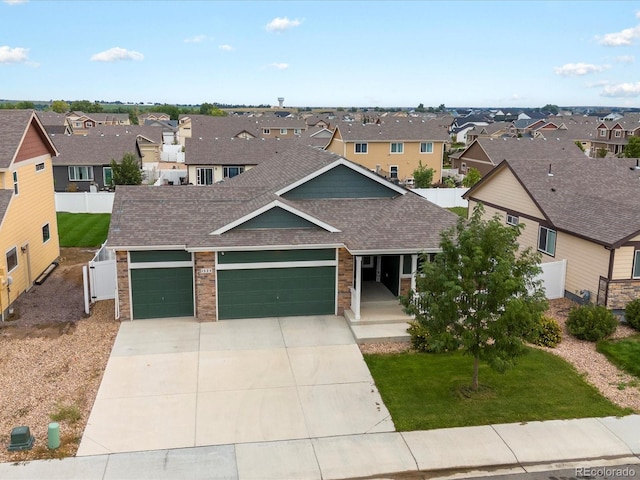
[
  {"x": 13, "y": 124},
  {"x": 407, "y": 222}
]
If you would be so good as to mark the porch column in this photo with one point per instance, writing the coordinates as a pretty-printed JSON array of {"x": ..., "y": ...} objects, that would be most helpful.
[
  {"x": 358, "y": 292},
  {"x": 414, "y": 271}
]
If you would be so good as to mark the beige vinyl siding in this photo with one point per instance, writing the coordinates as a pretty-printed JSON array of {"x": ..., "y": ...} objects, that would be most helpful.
[
  {"x": 36, "y": 202},
  {"x": 217, "y": 172},
  {"x": 635, "y": 239},
  {"x": 504, "y": 186},
  {"x": 623, "y": 263},
  {"x": 529, "y": 235},
  {"x": 586, "y": 263}
]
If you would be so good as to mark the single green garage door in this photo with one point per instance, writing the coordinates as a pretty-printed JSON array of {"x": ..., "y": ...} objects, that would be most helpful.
[
  {"x": 276, "y": 292},
  {"x": 162, "y": 292}
]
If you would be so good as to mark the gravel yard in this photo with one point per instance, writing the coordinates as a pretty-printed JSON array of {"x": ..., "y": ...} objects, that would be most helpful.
[{"x": 53, "y": 357}]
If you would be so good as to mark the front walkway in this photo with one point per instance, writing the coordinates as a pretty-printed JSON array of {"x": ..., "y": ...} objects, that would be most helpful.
[
  {"x": 382, "y": 318},
  {"x": 175, "y": 383}
]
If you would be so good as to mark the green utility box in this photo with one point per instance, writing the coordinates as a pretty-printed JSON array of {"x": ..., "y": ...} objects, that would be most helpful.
[{"x": 21, "y": 439}]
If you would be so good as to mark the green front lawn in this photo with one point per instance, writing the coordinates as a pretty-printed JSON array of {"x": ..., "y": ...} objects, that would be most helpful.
[
  {"x": 624, "y": 353},
  {"x": 426, "y": 391},
  {"x": 82, "y": 229}
]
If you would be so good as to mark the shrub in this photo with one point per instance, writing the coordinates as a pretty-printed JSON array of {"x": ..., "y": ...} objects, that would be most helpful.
[
  {"x": 419, "y": 337},
  {"x": 632, "y": 313},
  {"x": 546, "y": 333},
  {"x": 66, "y": 413},
  {"x": 591, "y": 322}
]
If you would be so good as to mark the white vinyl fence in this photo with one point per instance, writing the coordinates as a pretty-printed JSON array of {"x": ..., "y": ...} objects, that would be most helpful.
[
  {"x": 84, "y": 202},
  {"x": 444, "y": 197},
  {"x": 553, "y": 277},
  {"x": 102, "y": 275}
]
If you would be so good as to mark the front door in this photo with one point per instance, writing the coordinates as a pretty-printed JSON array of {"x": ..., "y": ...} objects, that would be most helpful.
[{"x": 390, "y": 273}]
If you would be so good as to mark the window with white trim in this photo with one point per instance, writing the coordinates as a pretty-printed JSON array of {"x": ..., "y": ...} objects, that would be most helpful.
[
  {"x": 12, "y": 259},
  {"x": 283, "y": 131},
  {"x": 266, "y": 131},
  {"x": 107, "y": 176},
  {"x": 204, "y": 176},
  {"x": 297, "y": 131},
  {"x": 367, "y": 261},
  {"x": 39, "y": 167},
  {"x": 15, "y": 183},
  {"x": 81, "y": 174},
  {"x": 230, "y": 172},
  {"x": 636, "y": 264},
  {"x": 512, "y": 219},
  {"x": 397, "y": 147},
  {"x": 603, "y": 132},
  {"x": 617, "y": 133},
  {"x": 426, "y": 147},
  {"x": 361, "y": 147},
  {"x": 547, "y": 241},
  {"x": 46, "y": 234},
  {"x": 393, "y": 171}
]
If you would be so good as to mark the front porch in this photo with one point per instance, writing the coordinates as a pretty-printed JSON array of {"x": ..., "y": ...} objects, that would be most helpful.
[{"x": 381, "y": 318}]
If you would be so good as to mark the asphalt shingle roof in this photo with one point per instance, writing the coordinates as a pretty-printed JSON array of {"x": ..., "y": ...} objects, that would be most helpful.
[
  {"x": 93, "y": 149},
  {"x": 394, "y": 129},
  {"x": 406, "y": 222},
  {"x": 13, "y": 124}
]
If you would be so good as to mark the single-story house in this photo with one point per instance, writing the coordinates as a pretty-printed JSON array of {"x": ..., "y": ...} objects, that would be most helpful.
[{"x": 297, "y": 234}]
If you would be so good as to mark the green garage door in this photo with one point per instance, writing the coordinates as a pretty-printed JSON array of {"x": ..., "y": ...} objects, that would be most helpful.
[
  {"x": 162, "y": 292},
  {"x": 276, "y": 292}
]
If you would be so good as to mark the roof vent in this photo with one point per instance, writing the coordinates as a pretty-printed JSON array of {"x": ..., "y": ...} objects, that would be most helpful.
[{"x": 550, "y": 173}]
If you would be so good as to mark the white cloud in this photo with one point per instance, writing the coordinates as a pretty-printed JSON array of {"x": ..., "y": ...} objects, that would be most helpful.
[
  {"x": 195, "y": 39},
  {"x": 600, "y": 83},
  {"x": 280, "y": 24},
  {"x": 13, "y": 55},
  {"x": 577, "y": 69},
  {"x": 15, "y": 2},
  {"x": 279, "y": 66},
  {"x": 623, "y": 37},
  {"x": 622, "y": 90},
  {"x": 625, "y": 59},
  {"x": 226, "y": 48},
  {"x": 116, "y": 53}
]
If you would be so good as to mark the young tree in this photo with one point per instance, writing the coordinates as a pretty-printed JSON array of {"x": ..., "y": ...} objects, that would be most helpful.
[
  {"x": 632, "y": 150},
  {"x": 471, "y": 178},
  {"x": 127, "y": 172},
  {"x": 422, "y": 176},
  {"x": 479, "y": 293},
  {"x": 602, "y": 152}
]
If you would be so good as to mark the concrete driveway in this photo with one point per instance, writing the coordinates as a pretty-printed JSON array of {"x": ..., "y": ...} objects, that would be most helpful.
[{"x": 176, "y": 383}]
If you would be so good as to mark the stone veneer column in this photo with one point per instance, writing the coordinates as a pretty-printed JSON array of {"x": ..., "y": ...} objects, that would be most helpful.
[
  {"x": 205, "y": 274},
  {"x": 345, "y": 280},
  {"x": 621, "y": 293},
  {"x": 122, "y": 274},
  {"x": 405, "y": 286}
]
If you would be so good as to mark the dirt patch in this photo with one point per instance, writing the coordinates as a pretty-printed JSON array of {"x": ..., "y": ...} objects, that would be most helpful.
[{"x": 53, "y": 358}]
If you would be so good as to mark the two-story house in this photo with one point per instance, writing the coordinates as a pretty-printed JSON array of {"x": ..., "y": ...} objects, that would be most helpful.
[
  {"x": 613, "y": 135},
  {"x": 393, "y": 148},
  {"x": 28, "y": 226}
]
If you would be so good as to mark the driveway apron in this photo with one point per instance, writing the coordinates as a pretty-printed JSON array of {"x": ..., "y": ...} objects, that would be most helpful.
[{"x": 174, "y": 383}]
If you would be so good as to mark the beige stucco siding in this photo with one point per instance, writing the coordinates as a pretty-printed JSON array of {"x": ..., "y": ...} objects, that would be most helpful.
[
  {"x": 504, "y": 189},
  {"x": 623, "y": 263},
  {"x": 28, "y": 212},
  {"x": 217, "y": 172}
]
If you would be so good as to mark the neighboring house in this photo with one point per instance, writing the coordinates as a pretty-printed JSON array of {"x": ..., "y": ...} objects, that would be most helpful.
[
  {"x": 211, "y": 160},
  {"x": 81, "y": 122},
  {"x": 493, "y": 130},
  {"x": 153, "y": 116},
  {"x": 28, "y": 227},
  {"x": 296, "y": 235},
  {"x": 580, "y": 210},
  {"x": 393, "y": 148},
  {"x": 84, "y": 161},
  {"x": 54, "y": 123},
  {"x": 317, "y": 136},
  {"x": 485, "y": 153},
  {"x": 613, "y": 135}
]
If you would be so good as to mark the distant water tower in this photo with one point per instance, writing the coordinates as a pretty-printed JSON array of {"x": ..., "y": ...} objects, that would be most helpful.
[{"x": 280, "y": 101}]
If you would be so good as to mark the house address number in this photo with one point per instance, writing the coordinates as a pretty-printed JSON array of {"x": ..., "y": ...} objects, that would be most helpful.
[{"x": 206, "y": 270}]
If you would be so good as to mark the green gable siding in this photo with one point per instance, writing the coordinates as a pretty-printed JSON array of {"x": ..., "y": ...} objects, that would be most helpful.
[
  {"x": 277, "y": 256},
  {"x": 276, "y": 218},
  {"x": 160, "y": 256},
  {"x": 340, "y": 182}
]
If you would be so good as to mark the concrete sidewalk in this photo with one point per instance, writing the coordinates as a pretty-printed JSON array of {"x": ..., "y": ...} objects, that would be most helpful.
[{"x": 456, "y": 452}]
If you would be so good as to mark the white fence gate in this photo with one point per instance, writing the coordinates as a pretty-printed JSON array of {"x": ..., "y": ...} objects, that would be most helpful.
[
  {"x": 444, "y": 197},
  {"x": 553, "y": 277},
  {"x": 84, "y": 202},
  {"x": 102, "y": 275}
]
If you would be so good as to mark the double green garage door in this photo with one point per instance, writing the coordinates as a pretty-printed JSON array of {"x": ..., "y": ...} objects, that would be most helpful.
[{"x": 303, "y": 282}]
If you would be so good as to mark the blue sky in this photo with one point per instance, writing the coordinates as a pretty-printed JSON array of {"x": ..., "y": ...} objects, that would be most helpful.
[{"x": 323, "y": 53}]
